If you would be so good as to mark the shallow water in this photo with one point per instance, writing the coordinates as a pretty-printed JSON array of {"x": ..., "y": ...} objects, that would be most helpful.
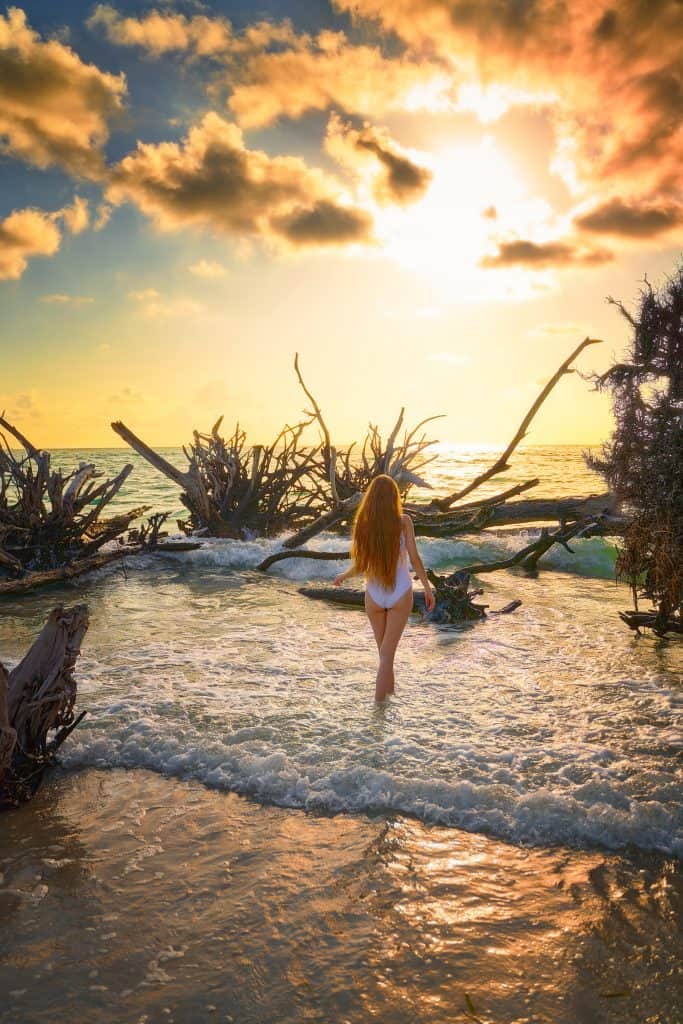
[
  {"x": 553, "y": 725},
  {"x": 141, "y": 899}
]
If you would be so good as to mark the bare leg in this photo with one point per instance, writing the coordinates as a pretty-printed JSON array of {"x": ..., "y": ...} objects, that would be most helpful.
[
  {"x": 397, "y": 616},
  {"x": 378, "y": 618}
]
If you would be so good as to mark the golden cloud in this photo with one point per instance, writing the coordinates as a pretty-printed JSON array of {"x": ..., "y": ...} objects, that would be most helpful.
[
  {"x": 160, "y": 32},
  {"x": 541, "y": 255},
  {"x": 211, "y": 180},
  {"x": 55, "y": 108},
  {"x": 327, "y": 70},
  {"x": 396, "y": 178},
  {"x": 631, "y": 219},
  {"x": 575, "y": 54},
  {"x": 77, "y": 216},
  {"x": 26, "y": 233}
]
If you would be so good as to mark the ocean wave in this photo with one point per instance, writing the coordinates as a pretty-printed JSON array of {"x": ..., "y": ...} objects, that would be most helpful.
[
  {"x": 593, "y": 557},
  {"x": 583, "y": 798}
]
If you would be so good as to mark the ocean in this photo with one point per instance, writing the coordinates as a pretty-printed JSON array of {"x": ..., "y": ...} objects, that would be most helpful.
[
  {"x": 553, "y": 725},
  {"x": 238, "y": 833}
]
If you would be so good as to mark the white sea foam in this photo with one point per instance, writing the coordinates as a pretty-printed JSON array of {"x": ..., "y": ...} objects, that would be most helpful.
[{"x": 593, "y": 557}]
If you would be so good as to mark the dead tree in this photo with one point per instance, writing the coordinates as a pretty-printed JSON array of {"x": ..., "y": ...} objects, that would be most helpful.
[
  {"x": 51, "y": 526},
  {"x": 37, "y": 700},
  {"x": 236, "y": 490}
]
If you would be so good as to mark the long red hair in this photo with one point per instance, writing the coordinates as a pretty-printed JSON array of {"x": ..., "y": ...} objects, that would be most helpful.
[{"x": 377, "y": 531}]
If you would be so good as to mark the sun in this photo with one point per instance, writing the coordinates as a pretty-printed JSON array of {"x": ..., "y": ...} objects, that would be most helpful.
[{"x": 475, "y": 190}]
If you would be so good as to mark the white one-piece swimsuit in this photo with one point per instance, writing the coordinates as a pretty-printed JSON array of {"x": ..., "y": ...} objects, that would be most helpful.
[{"x": 402, "y": 581}]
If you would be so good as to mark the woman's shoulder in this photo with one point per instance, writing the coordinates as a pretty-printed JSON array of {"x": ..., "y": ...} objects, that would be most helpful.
[{"x": 406, "y": 523}]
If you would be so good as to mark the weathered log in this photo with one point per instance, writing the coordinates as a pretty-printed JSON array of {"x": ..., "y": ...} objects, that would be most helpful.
[
  {"x": 353, "y": 598},
  {"x": 515, "y": 513},
  {"x": 78, "y": 567},
  {"x": 37, "y": 702},
  {"x": 402, "y": 461},
  {"x": 502, "y": 464}
]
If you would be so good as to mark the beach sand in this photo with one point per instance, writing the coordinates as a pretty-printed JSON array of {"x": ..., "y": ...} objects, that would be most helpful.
[{"x": 126, "y": 896}]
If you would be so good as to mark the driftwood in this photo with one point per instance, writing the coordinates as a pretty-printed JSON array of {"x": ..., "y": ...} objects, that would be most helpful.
[
  {"x": 51, "y": 526},
  {"x": 37, "y": 701},
  {"x": 354, "y": 598},
  {"x": 232, "y": 490}
]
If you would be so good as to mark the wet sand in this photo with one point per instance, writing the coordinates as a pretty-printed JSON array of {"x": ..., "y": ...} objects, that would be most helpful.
[{"x": 131, "y": 897}]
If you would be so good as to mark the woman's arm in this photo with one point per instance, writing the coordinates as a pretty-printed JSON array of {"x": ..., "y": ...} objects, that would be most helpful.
[
  {"x": 351, "y": 571},
  {"x": 416, "y": 561}
]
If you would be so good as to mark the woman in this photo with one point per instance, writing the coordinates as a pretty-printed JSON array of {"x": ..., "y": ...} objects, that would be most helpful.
[{"x": 383, "y": 540}]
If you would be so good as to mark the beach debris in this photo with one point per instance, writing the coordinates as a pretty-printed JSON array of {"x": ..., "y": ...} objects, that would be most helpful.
[
  {"x": 51, "y": 526},
  {"x": 231, "y": 489},
  {"x": 37, "y": 700},
  {"x": 643, "y": 460}
]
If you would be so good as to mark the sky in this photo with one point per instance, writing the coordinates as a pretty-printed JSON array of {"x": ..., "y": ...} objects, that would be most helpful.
[{"x": 429, "y": 200}]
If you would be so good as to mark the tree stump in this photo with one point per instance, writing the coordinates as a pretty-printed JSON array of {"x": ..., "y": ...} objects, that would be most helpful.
[{"x": 37, "y": 700}]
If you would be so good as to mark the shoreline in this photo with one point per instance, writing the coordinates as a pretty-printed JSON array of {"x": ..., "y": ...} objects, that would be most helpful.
[{"x": 151, "y": 899}]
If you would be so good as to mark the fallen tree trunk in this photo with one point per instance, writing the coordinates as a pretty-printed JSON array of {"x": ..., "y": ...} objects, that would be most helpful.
[
  {"x": 37, "y": 702},
  {"x": 353, "y": 598},
  {"x": 31, "y": 580},
  {"x": 512, "y": 513}
]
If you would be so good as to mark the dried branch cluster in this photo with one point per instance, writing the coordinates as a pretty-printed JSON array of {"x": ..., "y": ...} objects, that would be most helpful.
[
  {"x": 232, "y": 489},
  {"x": 49, "y": 521},
  {"x": 37, "y": 704}
]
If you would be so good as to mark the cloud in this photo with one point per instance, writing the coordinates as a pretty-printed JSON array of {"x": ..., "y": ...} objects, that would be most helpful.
[
  {"x": 77, "y": 216},
  {"x": 577, "y": 57},
  {"x": 62, "y": 299},
  {"x": 324, "y": 71},
  {"x": 400, "y": 179},
  {"x": 209, "y": 269},
  {"x": 631, "y": 219},
  {"x": 210, "y": 180},
  {"x": 521, "y": 252},
  {"x": 102, "y": 216},
  {"x": 323, "y": 223},
  {"x": 163, "y": 32},
  {"x": 24, "y": 234},
  {"x": 273, "y": 71},
  {"x": 33, "y": 232},
  {"x": 55, "y": 108},
  {"x": 153, "y": 304}
]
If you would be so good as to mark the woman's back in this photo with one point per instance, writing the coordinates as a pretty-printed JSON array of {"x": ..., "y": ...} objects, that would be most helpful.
[{"x": 388, "y": 596}]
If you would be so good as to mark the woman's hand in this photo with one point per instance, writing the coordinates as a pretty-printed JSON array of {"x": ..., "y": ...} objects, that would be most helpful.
[
  {"x": 430, "y": 600},
  {"x": 338, "y": 580}
]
